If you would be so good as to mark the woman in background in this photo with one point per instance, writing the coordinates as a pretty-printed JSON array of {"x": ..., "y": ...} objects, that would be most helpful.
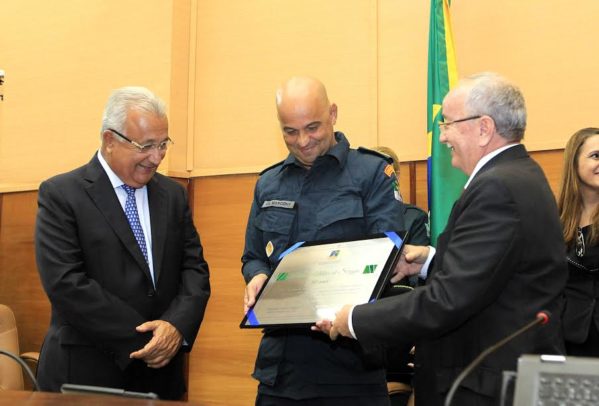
[{"x": 579, "y": 214}]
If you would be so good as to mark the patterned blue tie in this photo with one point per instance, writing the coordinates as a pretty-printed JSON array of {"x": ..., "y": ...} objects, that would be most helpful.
[{"x": 133, "y": 217}]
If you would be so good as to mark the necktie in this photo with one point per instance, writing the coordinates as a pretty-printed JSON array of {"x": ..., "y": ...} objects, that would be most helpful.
[{"x": 133, "y": 217}]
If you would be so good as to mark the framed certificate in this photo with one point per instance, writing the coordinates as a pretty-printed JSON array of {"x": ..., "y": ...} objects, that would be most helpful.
[{"x": 315, "y": 279}]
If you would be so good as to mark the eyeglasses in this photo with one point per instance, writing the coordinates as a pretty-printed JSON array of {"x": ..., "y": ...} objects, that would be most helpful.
[
  {"x": 147, "y": 148},
  {"x": 443, "y": 124}
]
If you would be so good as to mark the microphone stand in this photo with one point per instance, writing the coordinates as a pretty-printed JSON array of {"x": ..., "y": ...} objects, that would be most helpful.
[
  {"x": 24, "y": 366},
  {"x": 542, "y": 318}
]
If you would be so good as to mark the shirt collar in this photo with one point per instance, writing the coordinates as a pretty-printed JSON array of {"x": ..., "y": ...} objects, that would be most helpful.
[
  {"x": 113, "y": 177},
  {"x": 486, "y": 159},
  {"x": 339, "y": 151}
]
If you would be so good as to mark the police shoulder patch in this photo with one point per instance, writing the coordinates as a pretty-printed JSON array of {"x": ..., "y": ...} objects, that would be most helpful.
[
  {"x": 376, "y": 153},
  {"x": 389, "y": 170},
  {"x": 271, "y": 167}
]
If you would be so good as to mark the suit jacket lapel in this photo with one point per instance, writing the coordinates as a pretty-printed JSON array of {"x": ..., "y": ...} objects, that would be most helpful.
[
  {"x": 516, "y": 152},
  {"x": 510, "y": 153},
  {"x": 158, "y": 202},
  {"x": 102, "y": 193}
]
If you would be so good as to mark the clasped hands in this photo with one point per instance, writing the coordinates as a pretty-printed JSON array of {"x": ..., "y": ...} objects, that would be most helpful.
[
  {"x": 165, "y": 343},
  {"x": 410, "y": 263}
]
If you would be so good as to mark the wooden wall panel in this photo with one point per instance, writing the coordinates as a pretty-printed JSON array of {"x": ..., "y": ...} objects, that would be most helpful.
[
  {"x": 404, "y": 182},
  {"x": 58, "y": 79},
  {"x": 552, "y": 163},
  {"x": 421, "y": 185},
  {"x": 412, "y": 183},
  {"x": 223, "y": 357},
  {"x": 20, "y": 286}
]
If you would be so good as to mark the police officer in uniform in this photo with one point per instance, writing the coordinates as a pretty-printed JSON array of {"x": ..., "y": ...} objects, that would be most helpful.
[{"x": 323, "y": 190}]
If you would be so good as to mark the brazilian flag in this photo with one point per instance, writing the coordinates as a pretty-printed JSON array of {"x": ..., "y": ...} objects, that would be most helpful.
[{"x": 445, "y": 182}]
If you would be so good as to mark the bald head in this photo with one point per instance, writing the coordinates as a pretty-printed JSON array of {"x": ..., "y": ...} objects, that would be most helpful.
[
  {"x": 306, "y": 117},
  {"x": 301, "y": 92}
]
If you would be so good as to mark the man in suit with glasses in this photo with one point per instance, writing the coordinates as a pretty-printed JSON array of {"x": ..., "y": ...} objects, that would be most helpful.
[{"x": 120, "y": 260}]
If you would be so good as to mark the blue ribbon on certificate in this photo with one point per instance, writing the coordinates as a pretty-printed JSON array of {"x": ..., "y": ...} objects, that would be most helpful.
[
  {"x": 291, "y": 249},
  {"x": 252, "y": 320},
  {"x": 392, "y": 235}
]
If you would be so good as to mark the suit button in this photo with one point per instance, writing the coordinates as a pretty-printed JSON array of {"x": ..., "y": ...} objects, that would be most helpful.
[{"x": 151, "y": 292}]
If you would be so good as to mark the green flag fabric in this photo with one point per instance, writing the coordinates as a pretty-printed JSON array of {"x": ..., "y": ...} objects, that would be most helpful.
[{"x": 445, "y": 183}]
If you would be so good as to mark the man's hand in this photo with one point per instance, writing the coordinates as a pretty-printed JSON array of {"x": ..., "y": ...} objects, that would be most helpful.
[
  {"x": 411, "y": 261},
  {"x": 251, "y": 291},
  {"x": 163, "y": 346},
  {"x": 339, "y": 326}
]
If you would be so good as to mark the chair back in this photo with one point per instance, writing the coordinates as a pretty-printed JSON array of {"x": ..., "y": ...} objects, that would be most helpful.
[{"x": 11, "y": 375}]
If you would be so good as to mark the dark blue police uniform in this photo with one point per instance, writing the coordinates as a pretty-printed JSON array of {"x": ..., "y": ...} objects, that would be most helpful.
[{"x": 348, "y": 193}]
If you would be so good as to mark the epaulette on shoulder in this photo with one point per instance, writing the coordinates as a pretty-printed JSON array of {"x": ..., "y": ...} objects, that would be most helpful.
[
  {"x": 376, "y": 153},
  {"x": 271, "y": 167}
]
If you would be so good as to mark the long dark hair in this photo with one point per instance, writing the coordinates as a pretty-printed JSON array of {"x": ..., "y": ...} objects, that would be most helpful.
[{"x": 570, "y": 199}]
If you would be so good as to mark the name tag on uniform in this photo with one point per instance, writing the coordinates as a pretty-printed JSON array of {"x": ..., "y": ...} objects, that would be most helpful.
[{"x": 284, "y": 204}]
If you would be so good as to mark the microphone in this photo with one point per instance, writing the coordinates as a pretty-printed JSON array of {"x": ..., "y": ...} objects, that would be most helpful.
[
  {"x": 24, "y": 366},
  {"x": 542, "y": 317}
]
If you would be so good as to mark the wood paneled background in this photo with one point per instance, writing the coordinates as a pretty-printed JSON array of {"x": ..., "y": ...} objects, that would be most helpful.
[{"x": 223, "y": 357}]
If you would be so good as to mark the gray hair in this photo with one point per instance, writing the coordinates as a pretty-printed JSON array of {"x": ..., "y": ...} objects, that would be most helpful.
[
  {"x": 126, "y": 98},
  {"x": 492, "y": 95}
]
